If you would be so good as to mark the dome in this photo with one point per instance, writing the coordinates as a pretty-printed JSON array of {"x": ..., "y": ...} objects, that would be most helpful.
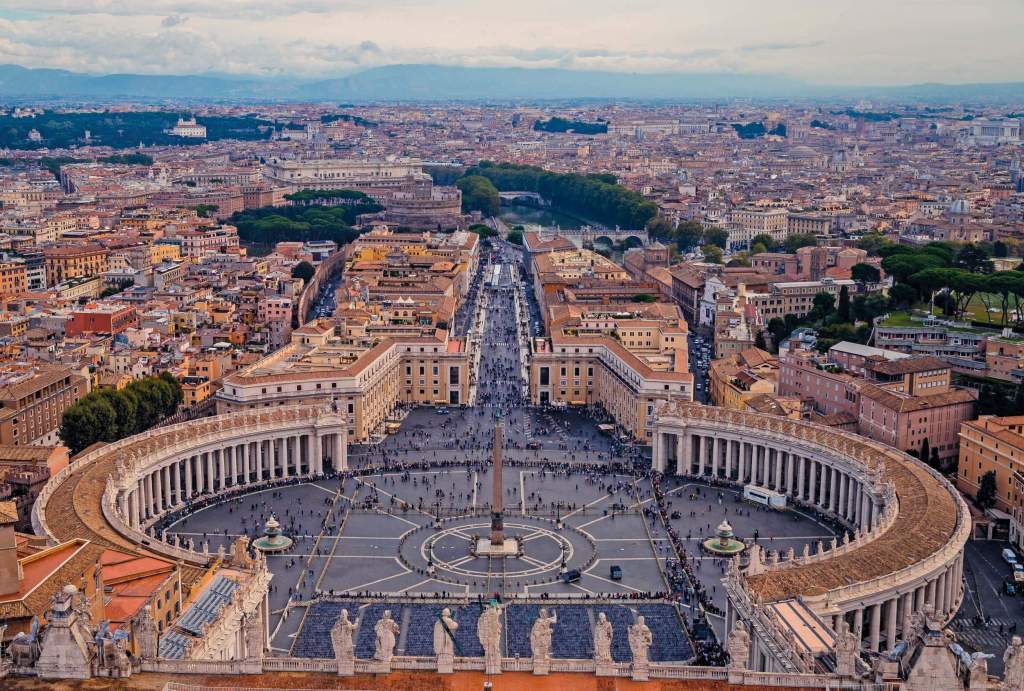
[{"x": 960, "y": 206}]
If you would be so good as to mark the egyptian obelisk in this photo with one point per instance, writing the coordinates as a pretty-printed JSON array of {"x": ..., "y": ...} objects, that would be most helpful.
[{"x": 497, "y": 524}]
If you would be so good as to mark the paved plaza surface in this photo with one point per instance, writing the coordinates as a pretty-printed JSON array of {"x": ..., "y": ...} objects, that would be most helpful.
[{"x": 404, "y": 521}]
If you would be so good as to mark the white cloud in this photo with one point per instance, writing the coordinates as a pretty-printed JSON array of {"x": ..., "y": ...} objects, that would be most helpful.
[{"x": 874, "y": 41}]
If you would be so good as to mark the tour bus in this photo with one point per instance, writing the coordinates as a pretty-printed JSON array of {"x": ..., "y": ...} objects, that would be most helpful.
[{"x": 764, "y": 497}]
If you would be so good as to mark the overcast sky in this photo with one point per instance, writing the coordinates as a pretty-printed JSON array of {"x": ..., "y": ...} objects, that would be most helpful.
[{"x": 822, "y": 41}]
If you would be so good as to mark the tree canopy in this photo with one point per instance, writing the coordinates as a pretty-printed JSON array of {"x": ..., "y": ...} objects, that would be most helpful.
[
  {"x": 594, "y": 196},
  {"x": 108, "y": 415},
  {"x": 479, "y": 194}
]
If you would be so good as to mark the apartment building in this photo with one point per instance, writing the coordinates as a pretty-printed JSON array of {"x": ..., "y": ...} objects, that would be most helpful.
[
  {"x": 33, "y": 400},
  {"x": 65, "y": 262},
  {"x": 898, "y": 400},
  {"x": 995, "y": 444}
]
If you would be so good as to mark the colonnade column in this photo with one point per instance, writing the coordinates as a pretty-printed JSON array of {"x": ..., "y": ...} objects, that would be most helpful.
[
  {"x": 716, "y": 451},
  {"x": 188, "y": 478},
  {"x": 890, "y": 623},
  {"x": 876, "y": 625},
  {"x": 340, "y": 461}
]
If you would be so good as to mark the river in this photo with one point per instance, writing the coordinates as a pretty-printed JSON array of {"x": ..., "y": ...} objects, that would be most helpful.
[{"x": 518, "y": 214}]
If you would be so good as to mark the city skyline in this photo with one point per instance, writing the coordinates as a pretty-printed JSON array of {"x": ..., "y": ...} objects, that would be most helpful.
[{"x": 918, "y": 41}]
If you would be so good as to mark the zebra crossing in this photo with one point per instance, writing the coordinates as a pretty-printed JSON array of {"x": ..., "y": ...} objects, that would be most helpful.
[{"x": 985, "y": 637}]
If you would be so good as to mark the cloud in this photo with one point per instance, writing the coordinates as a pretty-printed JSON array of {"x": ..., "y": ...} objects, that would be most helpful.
[
  {"x": 173, "y": 20},
  {"x": 766, "y": 47},
  {"x": 324, "y": 38}
]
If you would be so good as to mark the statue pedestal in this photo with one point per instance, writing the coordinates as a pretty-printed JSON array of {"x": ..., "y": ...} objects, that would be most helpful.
[
  {"x": 492, "y": 664},
  {"x": 604, "y": 668},
  {"x": 541, "y": 665},
  {"x": 379, "y": 667},
  {"x": 346, "y": 666},
  {"x": 640, "y": 671},
  {"x": 445, "y": 664}
]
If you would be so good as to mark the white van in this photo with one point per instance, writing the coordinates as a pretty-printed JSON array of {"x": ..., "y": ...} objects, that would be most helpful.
[{"x": 764, "y": 497}]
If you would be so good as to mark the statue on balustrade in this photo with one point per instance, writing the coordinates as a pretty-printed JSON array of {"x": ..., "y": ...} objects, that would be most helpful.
[
  {"x": 146, "y": 634},
  {"x": 738, "y": 646},
  {"x": 488, "y": 631},
  {"x": 341, "y": 640},
  {"x": 847, "y": 648},
  {"x": 385, "y": 632},
  {"x": 640, "y": 640},
  {"x": 1013, "y": 665},
  {"x": 444, "y": 641},
  {"x": 540, "y": 641},
  {"x": 603, "y": 639}
]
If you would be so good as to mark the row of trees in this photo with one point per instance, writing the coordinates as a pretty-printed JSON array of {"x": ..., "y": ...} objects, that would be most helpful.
[
  {"x": 107, "y": 415},
  {"x": 955, "y": 275},
  {"x": 479, "y": 194},
  {"x": 269, "y": 224},
  {"x": 688, "y": 234},
  {"x": 596, "y": 196},
  {"x": 561, "y": 125}
]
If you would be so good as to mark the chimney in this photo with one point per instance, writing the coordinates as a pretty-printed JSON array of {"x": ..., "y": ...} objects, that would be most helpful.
[{"x": 10, "y": 569}]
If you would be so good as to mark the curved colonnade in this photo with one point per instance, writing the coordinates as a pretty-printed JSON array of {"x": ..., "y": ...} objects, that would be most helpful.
[
  {"x": 909, "y": 524},
  {"x": 111, "y": 495}
]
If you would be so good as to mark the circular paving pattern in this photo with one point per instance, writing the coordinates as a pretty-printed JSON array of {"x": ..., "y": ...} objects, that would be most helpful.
[{"x": 542, "y": 548}]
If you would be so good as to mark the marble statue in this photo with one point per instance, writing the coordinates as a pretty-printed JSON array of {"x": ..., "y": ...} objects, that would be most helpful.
[
  {"x": 977, "y": 673},
  {"x": 488, "y": 631},
  {"x": 385, "y": 632},
  {"x": 603, "y": 639},
  {"x": 341, "y": 640},
  {"x": 738, "y": 646},
  {"x": 444, "y": 641},
  {"x": 1013, "y": 665},
  {"x": 847, "y": 647},
  {"x": 540, "y": 641},
  {"x": 146, "y": 634},
  {"x": 640, "y": 640}
]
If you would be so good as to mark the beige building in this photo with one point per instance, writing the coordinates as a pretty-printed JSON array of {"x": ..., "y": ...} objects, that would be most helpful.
[{"x": 367, "y": 377}]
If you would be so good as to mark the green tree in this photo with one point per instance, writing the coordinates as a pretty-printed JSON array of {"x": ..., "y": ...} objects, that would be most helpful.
[
  {"x": 795, "y": 242},
  {"x": 758, "y": 248},
  {"x": 303, "y": 270},
  {"x": 1000, "y": 249},
  {"x": 778, "y": 329},
  {"x": 865, "y": 273},
  {"x": 716, "y": 236},
  {"x": 479, "y": 194},
  {"x": 661, "y": 228},
  {"x": 688, "y": 235},
  {"x": 712, "y": 253},
  {"x": 972, "y": 258},
  {"x": 762, "y": 239},
  {"x": 823, "y": 304},
  {"x": 925, "y": 453},
  {"x": 902, "y": 296},
  {"x": 644, "y": 297},
  {"x": 843, "y": 309},
  {"x": 987, "y": 488},
  {"x": 515, "y": 237},
  {"x": 873, "y": 242}
]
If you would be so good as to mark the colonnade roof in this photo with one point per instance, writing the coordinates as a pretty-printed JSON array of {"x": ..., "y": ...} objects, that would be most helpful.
[
  {"x": 926, "y": 520},
  {"x": 74, "y": 509}
]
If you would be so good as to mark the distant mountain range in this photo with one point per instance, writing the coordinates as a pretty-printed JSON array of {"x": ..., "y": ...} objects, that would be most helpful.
[{"x": 440, "y": 83}]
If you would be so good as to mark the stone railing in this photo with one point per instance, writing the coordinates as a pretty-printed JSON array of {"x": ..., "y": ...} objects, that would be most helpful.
[{"x": 656, "y": 670}]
